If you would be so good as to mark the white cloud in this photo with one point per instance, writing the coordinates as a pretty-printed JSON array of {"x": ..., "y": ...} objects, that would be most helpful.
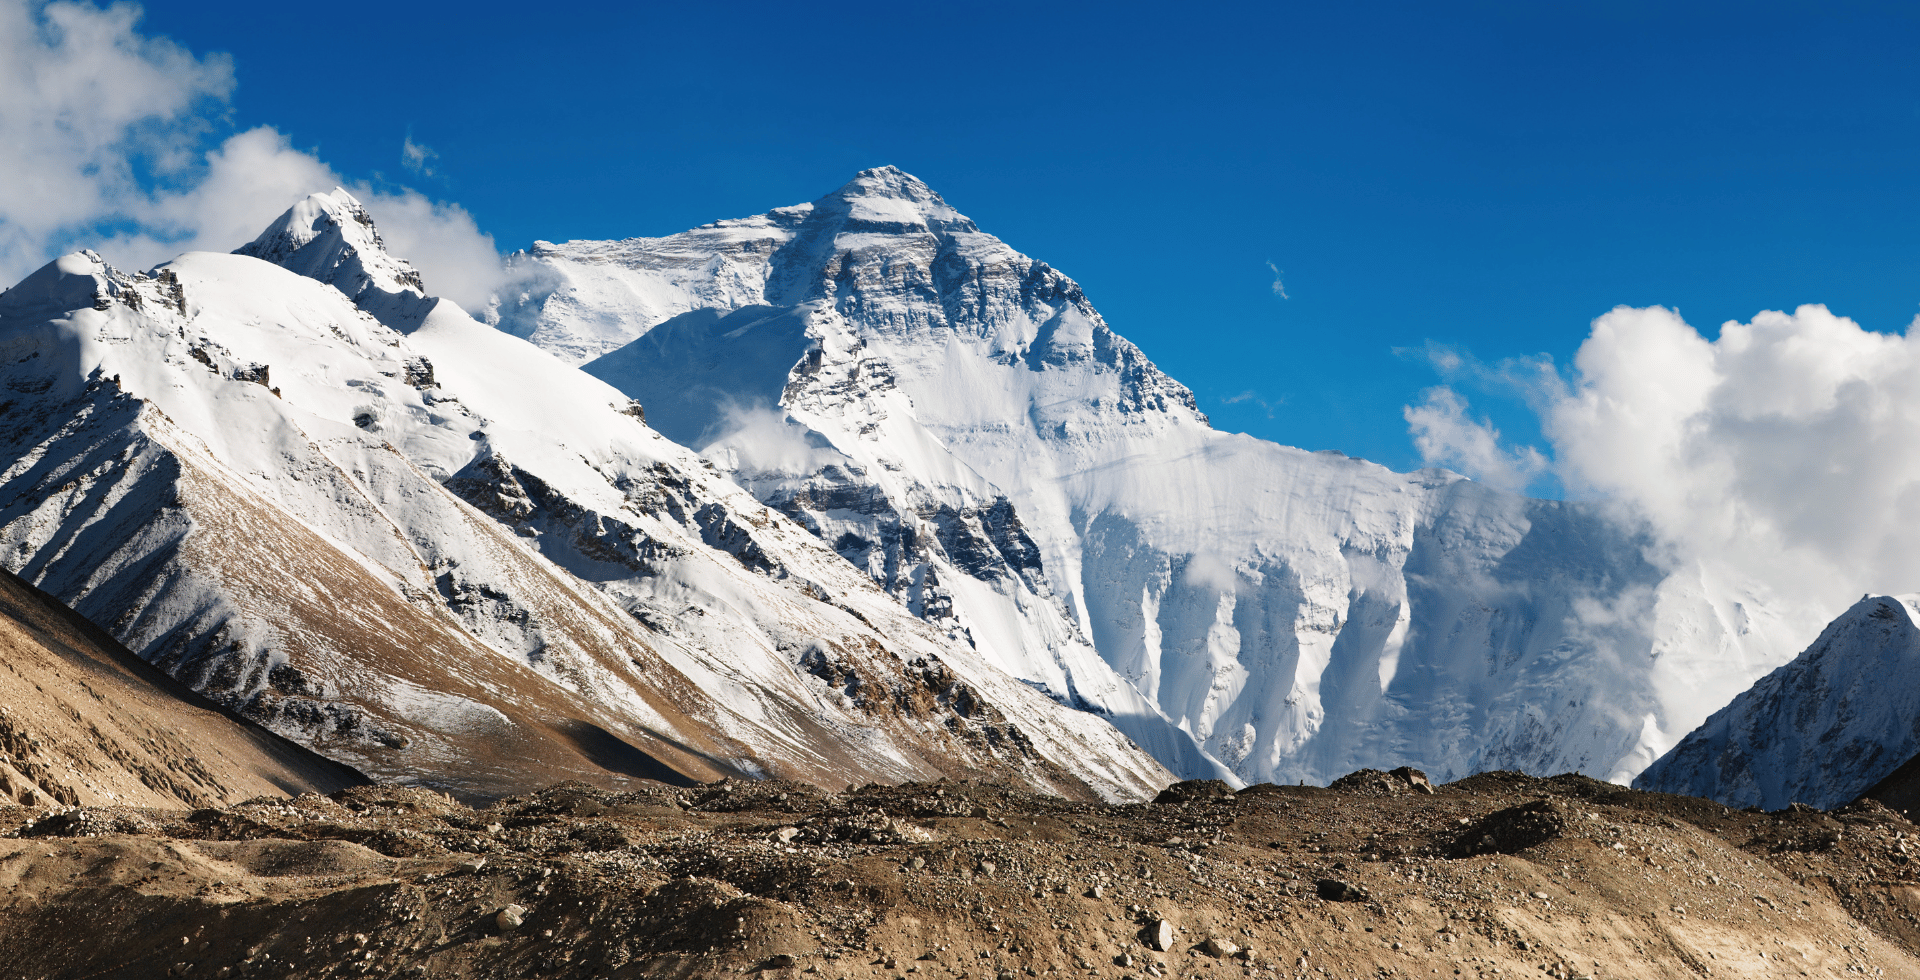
[
  {"x": 106, "y": 141},
  {"x": 1446, "y": 436},
  {"x": 1279, "y": 288},
  {"x": 417, "y": 157},
  {"x": 1784, "y": 451},
  {"x": 1780, "y": 460},
  {"x": 88, "y": 109},
  {"x": 760, "y": 440}
]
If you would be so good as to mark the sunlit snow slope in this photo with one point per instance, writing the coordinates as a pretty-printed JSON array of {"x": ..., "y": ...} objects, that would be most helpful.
[
  {"x": 431, "y": 550},
  {"x": 1300, "y": 614}
]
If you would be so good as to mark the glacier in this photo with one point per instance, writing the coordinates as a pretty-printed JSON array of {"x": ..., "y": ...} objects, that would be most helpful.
[
  {"x": 346, "y": 509},
  {"x": 879, "y": 369}
]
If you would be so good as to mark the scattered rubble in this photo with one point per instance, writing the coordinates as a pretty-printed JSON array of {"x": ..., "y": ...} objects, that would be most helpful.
[{"x": 1498, "y": 875}]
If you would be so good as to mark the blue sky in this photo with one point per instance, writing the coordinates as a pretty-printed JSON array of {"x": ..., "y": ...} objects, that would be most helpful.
[{"x": 1490, "y": 176}]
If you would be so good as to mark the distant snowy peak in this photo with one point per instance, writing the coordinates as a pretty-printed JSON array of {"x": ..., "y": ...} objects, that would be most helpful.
[
  {"x": 332, "y": 238},
  {"x": 1819, "y": 730}
]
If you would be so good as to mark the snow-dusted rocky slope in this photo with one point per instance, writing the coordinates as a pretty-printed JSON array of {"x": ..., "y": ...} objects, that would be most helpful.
[
  {"x": 431, "y": 550},
  {"x": 1819, "y": 730},
  {"x": 1301, "y": 614}
]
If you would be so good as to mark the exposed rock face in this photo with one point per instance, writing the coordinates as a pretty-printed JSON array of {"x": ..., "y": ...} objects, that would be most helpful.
[
  {"x": 865, "y": 360},
  {"x": 84, "y": 722},
  {"x": 440, "y": 555},
  {"x": 1820, "y": 730}
]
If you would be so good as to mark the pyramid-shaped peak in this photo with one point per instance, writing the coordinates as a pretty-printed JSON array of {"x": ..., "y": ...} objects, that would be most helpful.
[
  {"x": 887, "y": 181},
  {"x": 891, "y": 196},
  {"x": 331, "y": 237}
]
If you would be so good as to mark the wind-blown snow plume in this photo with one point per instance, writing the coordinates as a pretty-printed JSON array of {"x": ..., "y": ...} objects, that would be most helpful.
[{"x": 107, "y": 139}]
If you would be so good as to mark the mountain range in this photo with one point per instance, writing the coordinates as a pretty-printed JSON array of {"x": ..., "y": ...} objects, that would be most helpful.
[
  {"x": 877, "y": 367},
  {"x": 848, "y": 491}
]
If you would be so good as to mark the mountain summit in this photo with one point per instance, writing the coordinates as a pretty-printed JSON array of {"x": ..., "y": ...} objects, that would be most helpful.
[{"x": 331, "y": 238}]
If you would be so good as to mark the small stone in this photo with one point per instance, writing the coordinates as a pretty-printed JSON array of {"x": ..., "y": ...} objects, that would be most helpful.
[
  {"x": 1096, "y": 892},
  {"x": 510, "y": 918},
  {"x": 1160, "y": 935},
  {"x": 1124, "y": 960},
  {"x": 892, "y": 964},
  {"x": 1523, "y": 945},
  {"x": 988, "y": 867},
  {"x": 785, "y": 835},
  {"x": 778, "y": 961},
  {"x": 917, "y": 864},
  {"x": 1219, "y": 948},
  {"x": 1335, "y": 890},
  {"x": 1541, "y": 895}
]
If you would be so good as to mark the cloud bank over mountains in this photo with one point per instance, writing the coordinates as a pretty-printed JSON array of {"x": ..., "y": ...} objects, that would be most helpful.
[
  {"x": 110, "y": 139},
  {"x": 1781, "y": 455}
]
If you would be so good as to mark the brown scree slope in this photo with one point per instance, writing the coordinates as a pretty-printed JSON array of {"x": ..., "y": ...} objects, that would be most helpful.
[{"x": 85, "y": 722}]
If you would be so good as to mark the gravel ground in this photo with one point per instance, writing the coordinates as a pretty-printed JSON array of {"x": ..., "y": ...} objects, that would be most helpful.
[{"x": 1498, "y": 875}]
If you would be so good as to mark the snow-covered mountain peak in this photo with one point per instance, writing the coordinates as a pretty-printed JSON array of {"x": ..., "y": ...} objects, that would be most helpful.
[
  {"x": 68, "y": 282},
  {"x": 890, "y": 199},
  {"x": 1822, "y": 728},
  {"x": 332, "y": 238}
]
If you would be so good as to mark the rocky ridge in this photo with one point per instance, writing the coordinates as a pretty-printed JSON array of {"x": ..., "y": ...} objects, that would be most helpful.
[{"x": 85, "y": 722}]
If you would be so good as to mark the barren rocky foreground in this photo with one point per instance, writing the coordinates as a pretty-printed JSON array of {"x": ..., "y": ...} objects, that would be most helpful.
[{"x": 1496, "y": 875}]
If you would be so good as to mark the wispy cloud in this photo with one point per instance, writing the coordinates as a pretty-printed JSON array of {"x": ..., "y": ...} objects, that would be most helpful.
[
  {"x": 1279, "y": 288},
  {"x": 417, "y": 157},
  {"x": 1253, "y": 396},
  {"x": 1446, "y": 436}
]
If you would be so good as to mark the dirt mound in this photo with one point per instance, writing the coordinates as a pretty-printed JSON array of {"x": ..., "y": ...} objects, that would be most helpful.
[
  {"x": 1374, "y": 782},
  {"x": 1514, "y": 829},
  {"x": 1194, "y": 791}
]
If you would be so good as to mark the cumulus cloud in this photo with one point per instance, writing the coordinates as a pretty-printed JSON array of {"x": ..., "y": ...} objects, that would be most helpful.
[
  {"x": 1785, "y": 448},
  {"x": 89, "y": 112},
  {"x": 108, "y": 140},
  {"x": 1779, "y": 459}
]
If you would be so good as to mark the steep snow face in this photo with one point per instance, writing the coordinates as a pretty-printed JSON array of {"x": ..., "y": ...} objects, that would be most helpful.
[
  {"x": 1819, "y": 730},
  {"x": 443, "y": 555},
  {"x": 1300, "y": 614},
  {"x": 780, "y": 399}
]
